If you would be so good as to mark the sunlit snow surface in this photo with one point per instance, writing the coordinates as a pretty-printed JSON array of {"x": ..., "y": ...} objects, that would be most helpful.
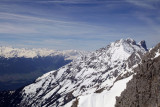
[
  {"x": 157, "y": 54},
  {"x": 106, "y": 98}
]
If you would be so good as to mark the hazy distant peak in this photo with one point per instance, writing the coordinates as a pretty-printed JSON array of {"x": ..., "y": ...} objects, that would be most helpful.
[{"x": 9, "y": 52}]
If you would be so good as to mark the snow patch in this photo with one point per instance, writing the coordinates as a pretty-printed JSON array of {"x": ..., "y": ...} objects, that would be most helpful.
[
  {"x": 157, "y": 54},
  {"x": 45, "y": 75},
  {"x": 106, "y": 98}
]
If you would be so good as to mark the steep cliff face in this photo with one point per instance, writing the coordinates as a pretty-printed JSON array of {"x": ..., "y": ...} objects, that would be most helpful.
[{"x": 144, "y": 89}]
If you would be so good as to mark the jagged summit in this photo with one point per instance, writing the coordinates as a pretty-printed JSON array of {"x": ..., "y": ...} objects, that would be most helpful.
[
  {"x": 122, "y": 49},
  {"x": 143, "y": 44},
  {"x": 84, "y": 77}
]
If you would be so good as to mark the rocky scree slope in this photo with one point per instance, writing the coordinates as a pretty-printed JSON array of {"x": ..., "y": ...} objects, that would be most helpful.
[
  {"x": 144, "y": 89},
  {"x": 93, "y": 73}
]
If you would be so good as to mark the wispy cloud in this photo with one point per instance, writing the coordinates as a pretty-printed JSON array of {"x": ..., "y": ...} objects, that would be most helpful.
[
  {"x": 15, "y": 29},
  {"x": 19, "y": 17},
  {"x": 71, "y": 1},
  {"x": 143, "y": 3},
  {"x": 23, "y": 24},
  {"x": 76, "y": 23}
]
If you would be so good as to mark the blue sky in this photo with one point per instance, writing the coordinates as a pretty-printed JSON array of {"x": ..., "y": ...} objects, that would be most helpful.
[{"x": 77, "y": 24}]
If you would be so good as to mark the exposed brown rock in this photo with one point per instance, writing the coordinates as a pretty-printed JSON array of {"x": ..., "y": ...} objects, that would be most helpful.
[
  {"x": 75, "y": 103},
  {"x": 144, "y": 89}
]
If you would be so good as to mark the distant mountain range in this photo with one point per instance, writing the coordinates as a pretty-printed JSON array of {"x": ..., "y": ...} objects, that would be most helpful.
[
  {"x": 19, "y": 67},
  {"x": 92, "y": 80},
  {"x": 10, "y": 52}
]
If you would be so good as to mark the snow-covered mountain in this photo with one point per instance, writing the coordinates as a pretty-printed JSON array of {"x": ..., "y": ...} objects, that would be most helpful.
[
  {"x": 93, "y": 80},
  {"x": 9, "y": 52}
]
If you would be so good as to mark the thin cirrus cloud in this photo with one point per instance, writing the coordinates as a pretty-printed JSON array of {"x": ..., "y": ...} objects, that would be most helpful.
[
  {"x": 15, "y": 29},
  {"x": 36, "y": 24},
  {"x": 150, "y": 4},
  {"x": 54, "y": 34},
  {"x": 70, "y": 1},
  {"x": 76, "y": 24}
]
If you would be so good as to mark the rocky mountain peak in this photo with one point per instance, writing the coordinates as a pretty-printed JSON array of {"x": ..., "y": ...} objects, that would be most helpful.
[
  {"x": 131, "y": 41},
  {"x": 143, "y": 44},
  {"x": 122, "y": 49}
]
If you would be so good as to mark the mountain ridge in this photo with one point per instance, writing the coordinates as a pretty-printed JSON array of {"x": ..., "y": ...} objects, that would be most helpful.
[{"x": 86, "y": 75}]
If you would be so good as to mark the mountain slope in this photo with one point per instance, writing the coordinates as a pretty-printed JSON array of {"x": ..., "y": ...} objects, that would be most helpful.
[
  {"x": 94, "y": 73},
  {"x": 143, "y": 90}
]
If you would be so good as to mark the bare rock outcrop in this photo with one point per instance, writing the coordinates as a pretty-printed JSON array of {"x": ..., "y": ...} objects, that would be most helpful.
[{"x": 144, "y": 89}]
